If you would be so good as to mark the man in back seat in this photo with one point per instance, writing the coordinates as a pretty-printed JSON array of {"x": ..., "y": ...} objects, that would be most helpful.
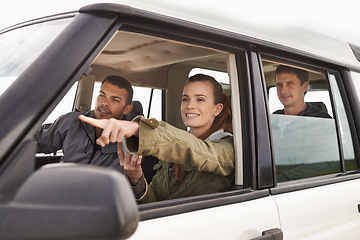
[
  {"x": 77, "y": 139},
  {"x": 299, "y": 143},
  {"x": 291, "y": 85}
]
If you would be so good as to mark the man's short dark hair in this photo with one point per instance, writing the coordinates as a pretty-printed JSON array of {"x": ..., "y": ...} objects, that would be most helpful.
[
  {"x": 301, "y": 74},
  {"x": 121, "y": 83}
]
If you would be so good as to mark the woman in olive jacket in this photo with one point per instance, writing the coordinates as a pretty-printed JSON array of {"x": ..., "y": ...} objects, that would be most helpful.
[{"x": 191, "y": 163}]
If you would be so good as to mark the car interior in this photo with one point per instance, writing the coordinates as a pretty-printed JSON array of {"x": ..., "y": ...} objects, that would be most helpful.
[{"x": 149, "y": 63}]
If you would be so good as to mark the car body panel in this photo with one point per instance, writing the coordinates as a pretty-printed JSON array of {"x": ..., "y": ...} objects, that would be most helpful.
[
  {"x": 243, "y": 220},
  {"x": 333, "y": 209}
]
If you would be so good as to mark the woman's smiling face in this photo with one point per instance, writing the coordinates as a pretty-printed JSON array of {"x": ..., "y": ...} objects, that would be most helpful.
[{"x": 198, "y": 109}]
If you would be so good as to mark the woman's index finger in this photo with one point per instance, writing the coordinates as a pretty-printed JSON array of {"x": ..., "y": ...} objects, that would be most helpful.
[{"x": 92, "y": 121}]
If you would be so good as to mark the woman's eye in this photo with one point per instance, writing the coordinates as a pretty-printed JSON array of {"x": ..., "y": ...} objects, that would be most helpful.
[{"x": 184, "y": 99}]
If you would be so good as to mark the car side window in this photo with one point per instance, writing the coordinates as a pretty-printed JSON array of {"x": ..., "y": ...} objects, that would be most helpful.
[
  {"x": 305, "y": 138},
  {"x": 64, "y": 106},
  {"x": 158, "y": 68}
]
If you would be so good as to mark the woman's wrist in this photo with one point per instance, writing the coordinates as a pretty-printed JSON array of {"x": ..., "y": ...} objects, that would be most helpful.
[
  {"x": 140, "y": 187},
  {"x": 135, "y": 180}
]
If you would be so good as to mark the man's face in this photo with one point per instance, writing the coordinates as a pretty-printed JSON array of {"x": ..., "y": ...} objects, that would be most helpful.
[
  {"x": 111, "y": 102},
  {"x": 289, "y": 89}
]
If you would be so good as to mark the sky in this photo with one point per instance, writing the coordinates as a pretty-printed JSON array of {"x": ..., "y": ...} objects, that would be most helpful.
[{"x": 339, "y": 19}]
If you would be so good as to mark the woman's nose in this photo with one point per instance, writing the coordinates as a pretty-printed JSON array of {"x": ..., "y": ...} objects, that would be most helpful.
[{"x": 190, "y": 105}]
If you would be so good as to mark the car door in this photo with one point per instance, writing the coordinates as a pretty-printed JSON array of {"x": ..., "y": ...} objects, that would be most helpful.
[
  {"x": 243, "y": 212},
  {"x": 316, "y": 159},
  {"x": 242, "y": 218}
]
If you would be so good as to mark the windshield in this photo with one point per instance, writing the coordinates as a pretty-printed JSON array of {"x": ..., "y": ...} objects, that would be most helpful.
[{"x": 20, "y": 47}]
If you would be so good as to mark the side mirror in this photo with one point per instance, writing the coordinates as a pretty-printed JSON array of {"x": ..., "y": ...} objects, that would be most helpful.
[{"x": 68, "y": 201}]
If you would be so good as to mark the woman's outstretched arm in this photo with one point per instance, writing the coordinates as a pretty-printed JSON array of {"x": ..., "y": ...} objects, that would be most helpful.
[{"x": 113, "y": 130}]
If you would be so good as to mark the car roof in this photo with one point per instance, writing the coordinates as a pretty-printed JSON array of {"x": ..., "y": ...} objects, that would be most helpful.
[
  {"x": 294, "y": 38},
  {"x": 229, "y": 18}
]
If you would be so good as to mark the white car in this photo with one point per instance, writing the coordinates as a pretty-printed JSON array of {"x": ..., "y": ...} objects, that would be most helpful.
[{"x": 298, "y": 183}]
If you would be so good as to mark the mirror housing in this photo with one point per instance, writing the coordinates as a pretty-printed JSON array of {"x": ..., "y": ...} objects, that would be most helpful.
[{"x": 71, "y": 201}]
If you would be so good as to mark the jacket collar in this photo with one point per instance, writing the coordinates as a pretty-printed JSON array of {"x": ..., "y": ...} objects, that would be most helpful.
[{"x": 89, "y": 130}]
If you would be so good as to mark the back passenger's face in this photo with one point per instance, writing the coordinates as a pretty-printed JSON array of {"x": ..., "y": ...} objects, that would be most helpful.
[
  {"x": 111, "y": 102},
  {"x": 289, "y": 89}
]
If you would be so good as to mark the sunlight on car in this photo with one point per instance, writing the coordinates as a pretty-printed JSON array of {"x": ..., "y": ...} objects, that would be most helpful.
[
  {"x": 221, "y": 77},
  {"x": 64, "y": 106},
  {"x": 5, "y": 82}
]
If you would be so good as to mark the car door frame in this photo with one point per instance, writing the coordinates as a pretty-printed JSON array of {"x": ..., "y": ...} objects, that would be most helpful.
[{"x": 302, "y": 210}]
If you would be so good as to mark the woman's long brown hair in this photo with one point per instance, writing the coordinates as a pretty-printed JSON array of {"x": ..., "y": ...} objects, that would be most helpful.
[{"x": 221, "y": 121}]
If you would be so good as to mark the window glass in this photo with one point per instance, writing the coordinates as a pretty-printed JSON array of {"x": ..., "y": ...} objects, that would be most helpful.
[
  {"x": 347, "y": 144},
  {"x": 305, "y": 139},
  {"x": 304, "y": 146},
  {"x": 21, "y": 46}
]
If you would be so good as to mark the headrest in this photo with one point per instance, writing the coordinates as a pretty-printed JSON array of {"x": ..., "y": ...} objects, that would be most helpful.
[
  {"x": 319, "y": 105},
  {"x": 136, "y": 110}
]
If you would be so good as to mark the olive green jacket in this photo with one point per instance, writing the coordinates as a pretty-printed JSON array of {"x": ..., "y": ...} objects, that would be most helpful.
[{"x": 208, "y": 165}]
